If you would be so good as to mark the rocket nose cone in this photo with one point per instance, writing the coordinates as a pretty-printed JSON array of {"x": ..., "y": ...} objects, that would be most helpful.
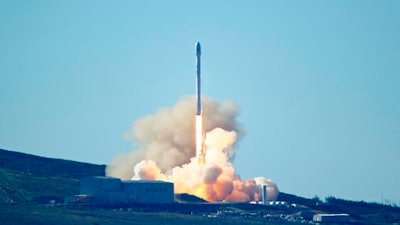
[{"x": 198, "y": 48}]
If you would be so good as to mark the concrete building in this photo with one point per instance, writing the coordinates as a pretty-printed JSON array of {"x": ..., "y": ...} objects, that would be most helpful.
[{"x": 108, "y": 190}]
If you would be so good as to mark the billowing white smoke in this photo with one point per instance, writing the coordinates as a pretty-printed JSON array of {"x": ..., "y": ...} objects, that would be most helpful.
[{"x": 167, "y": 151}]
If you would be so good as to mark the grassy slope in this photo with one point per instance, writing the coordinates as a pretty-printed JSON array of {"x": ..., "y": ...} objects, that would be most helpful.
[
  {"x": 36, "y": 165},
  {"x": 46, "y": 215},
  {"x": 27, "y": 178},
  {"x": 24, "y": 188},
  {"x": 368, "y": 211}
]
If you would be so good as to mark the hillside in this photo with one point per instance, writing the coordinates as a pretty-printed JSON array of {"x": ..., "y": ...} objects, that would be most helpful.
[
  {"x": 26, "y": 178},
  {"x": 44, "y": 215},
  {"x": 43, "y": 166},
  {"x": 28, "y": 183}
]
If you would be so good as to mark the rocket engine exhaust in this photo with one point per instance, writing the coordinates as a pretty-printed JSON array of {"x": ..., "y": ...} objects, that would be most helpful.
[
  {"x": 199, "y": 164},
  {"x": 200, "y": 133}
]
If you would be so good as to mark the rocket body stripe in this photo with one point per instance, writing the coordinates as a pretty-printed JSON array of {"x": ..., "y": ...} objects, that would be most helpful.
[{"x": 198, "y": 79}]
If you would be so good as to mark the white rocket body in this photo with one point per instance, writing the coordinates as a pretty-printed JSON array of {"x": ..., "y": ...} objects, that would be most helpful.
[
  {"x": 200, "y": 134},
  {"x": 198, "y": 80}
]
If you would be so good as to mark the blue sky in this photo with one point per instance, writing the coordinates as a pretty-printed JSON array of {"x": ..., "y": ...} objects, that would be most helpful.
[{"x": 317, "y": 83}]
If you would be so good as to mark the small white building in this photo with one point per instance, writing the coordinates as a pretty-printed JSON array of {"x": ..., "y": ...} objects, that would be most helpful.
[
  {"x": 337, "y": 218},
  {"x": 108, "y": 190}
]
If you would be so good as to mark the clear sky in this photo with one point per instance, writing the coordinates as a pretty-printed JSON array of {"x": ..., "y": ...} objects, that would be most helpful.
[{"x": 318, "y": 83}]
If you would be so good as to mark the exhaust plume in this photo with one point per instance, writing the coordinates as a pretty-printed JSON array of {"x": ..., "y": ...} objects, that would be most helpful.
[{"x": 167, "y": 152}]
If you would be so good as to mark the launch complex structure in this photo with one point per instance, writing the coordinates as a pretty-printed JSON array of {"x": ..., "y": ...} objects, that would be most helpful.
[{"x": 200, "y": 132}]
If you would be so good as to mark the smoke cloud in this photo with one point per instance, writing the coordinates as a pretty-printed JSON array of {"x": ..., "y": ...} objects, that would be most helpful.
[{"x": 167, "y": 152}]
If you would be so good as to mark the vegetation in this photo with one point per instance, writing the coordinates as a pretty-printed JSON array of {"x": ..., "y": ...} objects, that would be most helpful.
[
  {"x": 296, "y": 199},
  {"x": 31, "y": 188},
  {"x": 367, "y": 211},
  {"x": 36, "y": 165},
  {"x": 27, "y": 178},
  {"x": 46, "y": 215},
  {"x": 19, "y": 187},
  {"x": 186, "y": 198}
]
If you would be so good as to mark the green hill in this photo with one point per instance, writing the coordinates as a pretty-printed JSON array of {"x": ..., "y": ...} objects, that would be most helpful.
[
  {"x": 28, "y": 183},
  {"x": 26, "y": 178},
  {"x": 43, "y": 166}
]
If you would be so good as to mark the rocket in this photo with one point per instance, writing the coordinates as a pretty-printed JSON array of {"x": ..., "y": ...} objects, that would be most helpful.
[
  {"x": 200, "y": 134},
  {"x": 198, "y": 80}
]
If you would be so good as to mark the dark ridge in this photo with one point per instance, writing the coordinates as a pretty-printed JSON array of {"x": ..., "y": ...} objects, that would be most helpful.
[
  {"x": 187, "y": 198},
  {"x": 361, "y": 207},
  {"x": 296, "y": 199},
  {"x": 43, "y": 166}
]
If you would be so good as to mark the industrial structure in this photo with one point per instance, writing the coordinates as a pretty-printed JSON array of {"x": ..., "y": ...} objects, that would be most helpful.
[
  {"x": 264, "y": 195},
  {"x": 113, "y": 191},
  {"x": 333, "y": 218}
]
